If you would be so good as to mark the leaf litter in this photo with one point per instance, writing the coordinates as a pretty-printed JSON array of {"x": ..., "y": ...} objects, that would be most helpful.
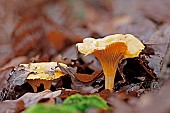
[{"x": 40, "y": 36}]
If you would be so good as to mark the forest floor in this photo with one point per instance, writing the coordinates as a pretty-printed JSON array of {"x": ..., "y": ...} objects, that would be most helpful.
[{"x": 48, "y": 31}]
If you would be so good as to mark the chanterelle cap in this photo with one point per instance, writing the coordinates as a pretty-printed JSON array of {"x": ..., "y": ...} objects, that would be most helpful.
[
  {"x": 44, "y": 73},
  {"x": 44, "y": 70},
  {"x": 134, "y": 46}
]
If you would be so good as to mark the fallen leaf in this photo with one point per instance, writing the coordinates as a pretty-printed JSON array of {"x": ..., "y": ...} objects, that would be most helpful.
[
  {"x": 32, "y": 98},
  {"x": 57, "y": 39},
  {"x": 88, "y": 77},
  {"x": 18, "y": 76},
  {"x": 4, "y": 75},
  {"x": 47, "y": 101},
  {"x": 66, "y": 92},
  {"x": 28, "y": 40},
  {"x": 159, "y": 42},
  {"x": 155, "y": 11},
  {"x": 96, "y": 84},
  {"x": 140, "y": 27},
  {"x": 68, "y": 70},
  {"x": 119, "y": 106},
  {"x": 90, "y": 89},
  {"x": 12, "y": 106},
  {"x": 15, "y": 83},
  {"x": 155, "y": 103},
  {"x": 105, "y": 94},
  {"x": 20, "y": 106},
  {"x": 71, "y": 53},
  {"x": 6, "y": 54},
  {"x": 144, "y": 63},
  {"x": 14, "y": 62},
  {"x": 29, "y": 37},
  {"x": 94, "y": 63},
  {"x": 59, "y": 58}
]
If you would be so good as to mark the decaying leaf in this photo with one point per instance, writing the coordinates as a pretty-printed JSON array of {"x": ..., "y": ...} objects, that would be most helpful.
[
  {"x": 47, "y": 30},
  {"x": 59, "y": 58},
  {"x": 4, "y": 75},
  {"x": 6, "y": 54},
  {"x": 27, "y": 100},
  {"x": 68, "y": 70},
  {"x": 57, "y": 39},
  {"x": 12, "y": 106},
  {"x": 94, "y": 63},
  {"x": 159, "y": 42},
  {"x": 140, "y": 27},
  {"x": 88, "y": 87},
  {"x": 71, "y": 53},
  {"x": 66, "y": 93},
  {"x": 28, "y": 33},
  {"x": 16, "y": 78},
  {"x": 155, "y": 11},
  {"x": 15, "y": 62},
  {"x": 33, "y": 98},
  {"x": 88, "y": 77},
  {"x": 105, "y": 94}
]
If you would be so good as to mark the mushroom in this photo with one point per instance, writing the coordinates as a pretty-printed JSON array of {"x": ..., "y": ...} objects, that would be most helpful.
[
  {"x": 44, "y": 73},
  {"x": 109, "y": 51}
]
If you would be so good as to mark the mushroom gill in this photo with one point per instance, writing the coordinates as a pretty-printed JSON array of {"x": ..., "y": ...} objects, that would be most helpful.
[{"x": 109, "y": 59}]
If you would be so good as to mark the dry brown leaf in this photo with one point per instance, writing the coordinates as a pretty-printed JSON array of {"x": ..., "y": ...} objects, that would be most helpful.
[
  {"x": 57, "y": 39},
  {"x": 12, "y": 106},
  {"x": 14, "y": 62},
  {"x": 32, "y": 98},
  {"x": 4, "y": 75},
  {"x": 88, "y": 77},
  {"x": 94, "y": 63}
]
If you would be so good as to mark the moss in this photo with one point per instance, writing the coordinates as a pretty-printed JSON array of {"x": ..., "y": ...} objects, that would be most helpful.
[
  {"x": 47, "y": 108},
  {"x": 81, "y": 103}
]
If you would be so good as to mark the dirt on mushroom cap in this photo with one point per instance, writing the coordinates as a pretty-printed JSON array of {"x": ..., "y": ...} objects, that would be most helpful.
[{"x": 44, "y": 70}]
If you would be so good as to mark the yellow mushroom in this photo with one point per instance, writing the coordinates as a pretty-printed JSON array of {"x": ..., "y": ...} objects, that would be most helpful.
[
  {"x": 109, "y": 51},
  {"x": 45, "y": 73}
]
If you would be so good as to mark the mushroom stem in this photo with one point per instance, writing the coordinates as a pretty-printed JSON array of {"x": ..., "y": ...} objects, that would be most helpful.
[
  {"x": 109, "y": 59},
  {"x": 109, "y": 82}
]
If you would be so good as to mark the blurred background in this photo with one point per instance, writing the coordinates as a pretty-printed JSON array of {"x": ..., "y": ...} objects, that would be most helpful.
[{"x": 47, "y": 27}]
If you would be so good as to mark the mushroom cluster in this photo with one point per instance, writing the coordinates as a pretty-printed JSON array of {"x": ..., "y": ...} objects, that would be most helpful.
[
  {"x": 109, "y": 51},
  {"x": 44, "y": 73}
]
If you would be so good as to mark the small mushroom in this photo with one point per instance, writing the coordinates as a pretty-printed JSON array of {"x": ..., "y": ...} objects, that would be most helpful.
[
  {"x": 109, "y": 51},
  {"x": 44, "y": 73}
]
